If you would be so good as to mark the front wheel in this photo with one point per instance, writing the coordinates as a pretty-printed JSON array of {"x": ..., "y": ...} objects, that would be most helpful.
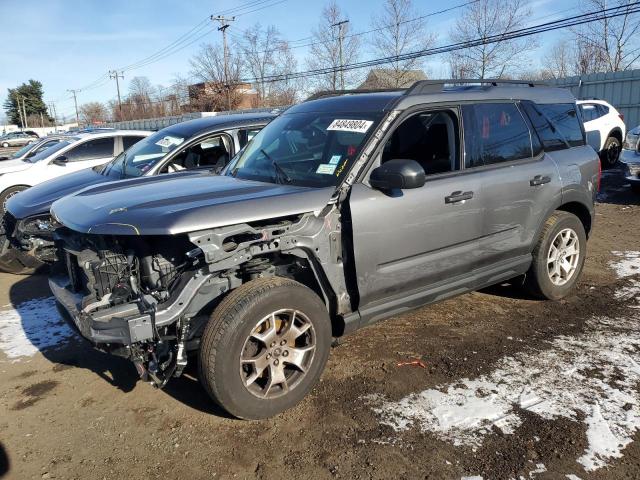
[
  {"x": 610, "y": 153},
  {"x": 5, "y": 145},
  {"x": 558, "y": 257},
  {"x": 265, "y": 347},
  {"x": 6, "y": 195}
]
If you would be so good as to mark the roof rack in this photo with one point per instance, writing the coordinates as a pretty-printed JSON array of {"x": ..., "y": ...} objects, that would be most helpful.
[
  {"x": 335, "y": 93},
  {"x": 434, "y": 86}
]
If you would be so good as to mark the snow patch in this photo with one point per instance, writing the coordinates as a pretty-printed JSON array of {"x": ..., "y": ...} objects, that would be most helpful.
[
  {"x": 30, "y": 327},
  {"x": 593, "y": 374},
  {"x": 628, "y": 265}
]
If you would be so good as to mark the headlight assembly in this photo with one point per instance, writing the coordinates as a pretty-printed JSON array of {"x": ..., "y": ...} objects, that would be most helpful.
[{"x": 38, "y": 225}]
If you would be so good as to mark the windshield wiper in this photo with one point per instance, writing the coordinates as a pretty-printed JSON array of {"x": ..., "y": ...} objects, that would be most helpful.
[
  {"x": 280, "y": 172},
  {"x": 124, "y": 165}
]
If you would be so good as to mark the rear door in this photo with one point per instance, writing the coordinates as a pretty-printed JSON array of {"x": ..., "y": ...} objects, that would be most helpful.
[
  {"x": 414, "y": 243},
  {"x": 519, "y": 182}
]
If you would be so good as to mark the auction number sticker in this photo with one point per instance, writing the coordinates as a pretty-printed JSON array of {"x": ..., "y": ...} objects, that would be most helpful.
[
  {"x": 167, "y": 141},
  {"x": 346, "y": 125}
]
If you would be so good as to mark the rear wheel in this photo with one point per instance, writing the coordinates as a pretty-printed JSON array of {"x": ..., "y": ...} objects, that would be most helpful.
[
  {"x": 265, "y": 347},
  {"x": 611, "y": 152},
  {"x": 558, "y": 257}
]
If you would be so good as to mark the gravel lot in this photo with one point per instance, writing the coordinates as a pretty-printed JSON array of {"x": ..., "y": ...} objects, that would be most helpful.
[{"x": 512, "y": 388}]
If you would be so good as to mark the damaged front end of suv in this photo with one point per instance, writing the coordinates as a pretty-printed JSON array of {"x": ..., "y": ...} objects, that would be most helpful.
[{"x": 148, "y": 297}]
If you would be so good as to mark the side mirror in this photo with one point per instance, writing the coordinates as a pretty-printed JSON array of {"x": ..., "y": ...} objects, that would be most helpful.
[
  {"x": 396, "y": 174},
  {"x": 61, "y": 160}
]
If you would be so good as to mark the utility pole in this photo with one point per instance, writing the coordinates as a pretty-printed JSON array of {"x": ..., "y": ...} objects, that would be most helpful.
[
  {"x": 52, "y": 111},
  {"x": 340, "y": 26},
  {"x": 223, "y": 28},
  {"x": 25, "y": 123},
  {"x": 114, "y": 74},
  {"x": 20, "y": 111},
  {"x": 75, "y": 101}
]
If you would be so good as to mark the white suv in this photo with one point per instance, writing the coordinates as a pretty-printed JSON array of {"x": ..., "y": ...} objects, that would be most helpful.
[
  {"x": 605, "y": 129},
  {"x": 71, "y": 154}
]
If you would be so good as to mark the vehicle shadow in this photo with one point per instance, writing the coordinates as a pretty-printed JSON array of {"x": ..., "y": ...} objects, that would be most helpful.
[
  {"x": 614, "y": 188},
  {"x": 4, "y": 461},
  {"x": 510, "y": 289},
  {"x": 36, "y": 325}
]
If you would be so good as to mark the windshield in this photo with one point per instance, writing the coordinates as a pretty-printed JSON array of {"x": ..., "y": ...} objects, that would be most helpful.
[
  {"x": 143, "y": 155},
  {"x": 305, "y": 149},
  {"x": 47, "y": 152}
]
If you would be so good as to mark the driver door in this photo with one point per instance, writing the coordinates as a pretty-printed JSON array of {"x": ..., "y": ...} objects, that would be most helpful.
[{"x": 414, "y": 245}]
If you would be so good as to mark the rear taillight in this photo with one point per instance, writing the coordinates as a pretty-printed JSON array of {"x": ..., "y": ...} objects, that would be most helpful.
[
  {"x": 599, "y": 176},
  {"x": 621, "y": 116}
]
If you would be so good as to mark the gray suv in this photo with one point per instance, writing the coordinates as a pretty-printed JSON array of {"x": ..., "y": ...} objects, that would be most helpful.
[{"x": 347, "y": 209}]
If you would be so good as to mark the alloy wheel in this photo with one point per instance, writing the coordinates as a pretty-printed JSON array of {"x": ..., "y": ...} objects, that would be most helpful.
[
  {"x": 563, "y": 257},
  {"x": 277, "y": 353}
]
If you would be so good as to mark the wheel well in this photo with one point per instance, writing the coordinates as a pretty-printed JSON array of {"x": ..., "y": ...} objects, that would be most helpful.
[
  {"x": 14, "y": 186},
  {"x": 617, "y": 133},
  {"x": 580, "y": 211}
]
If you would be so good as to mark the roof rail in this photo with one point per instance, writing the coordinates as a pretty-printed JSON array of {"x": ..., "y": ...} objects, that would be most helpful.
[
  {"x": 434, "y": 86},
  {"x": 335, "y": 93}
]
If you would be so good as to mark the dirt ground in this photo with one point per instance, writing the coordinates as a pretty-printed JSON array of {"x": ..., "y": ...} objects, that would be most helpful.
[{"x": 71, "y": 412}]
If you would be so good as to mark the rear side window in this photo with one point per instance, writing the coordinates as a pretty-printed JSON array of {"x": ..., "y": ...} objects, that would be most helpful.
[
  {"x": 130, "y": 140},
  {"x": 93, "y": 149},
  {"x": 550, "y": 136},
  {"x": 591, "y": 111},
  {"x": 565, "y": 118},
  {"x": 245, "y": 135},
  {"x": 495, "y": 133}
]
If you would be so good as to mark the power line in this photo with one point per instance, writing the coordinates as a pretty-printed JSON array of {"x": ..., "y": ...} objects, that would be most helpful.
[{"x": 572, "y": 21}]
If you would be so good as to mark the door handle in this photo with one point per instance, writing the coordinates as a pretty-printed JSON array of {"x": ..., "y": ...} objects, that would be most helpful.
[
  {"x": 539, "y": 180},
  {"x": 458, "y": 196}
]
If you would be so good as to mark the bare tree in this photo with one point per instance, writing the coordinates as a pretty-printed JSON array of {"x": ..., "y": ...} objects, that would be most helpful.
[
  {"x": 268, "y": 58},
  {"x": 208, "y": 67},
  {"x": 325, "y": 49},
  {"x": 482, "y": 20},
  {"x": 559, "y": 62},
  {"x": 400, "y": 31},
  {"x": 93, "y": 113},
  {"x": 616, "y": 41}
]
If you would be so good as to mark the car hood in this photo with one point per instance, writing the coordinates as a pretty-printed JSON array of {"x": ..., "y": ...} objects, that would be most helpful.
[
  {"x": 38, "y": 199},
  {"x": 174, "y": 204},
  {"x": 9, "y": 166}
]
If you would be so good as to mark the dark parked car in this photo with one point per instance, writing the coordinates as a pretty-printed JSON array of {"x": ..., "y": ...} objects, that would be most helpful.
[
  {"x": 630, "y": 158},
  {"x": 343, "y": 211},
  {"x": 195, "y": 147}
]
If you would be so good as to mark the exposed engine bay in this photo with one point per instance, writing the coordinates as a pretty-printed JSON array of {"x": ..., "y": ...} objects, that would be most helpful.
[{"x": 148, "y": 298}]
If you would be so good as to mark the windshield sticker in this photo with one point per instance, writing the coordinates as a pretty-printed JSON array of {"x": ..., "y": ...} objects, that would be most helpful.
[
  {"x": 335, "y": 160},
  {"x": 168, "y": 141},
  {"x": 147, "y": 157},
  {"x": 358, "y": 126},
  {"x": 339, "y": 171},
  {"x": 326, "y": 169}
]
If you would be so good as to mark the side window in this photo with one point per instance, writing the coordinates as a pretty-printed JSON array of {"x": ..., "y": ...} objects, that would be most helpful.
[
  {"x": 590, "y": 112},
  {"x": 550, "y": 136},
  {"x": 211, "y": 153},
  {"x": 603, "y": 109},
  {"x": 130, "y": 140},
  {"x": 245, "y": 135},
  {"x": 93, "y": 149},
  {"x": 495, "y": 133},
  {"x": 565, "y": 118},
  {"x": 429, "y": 138}
]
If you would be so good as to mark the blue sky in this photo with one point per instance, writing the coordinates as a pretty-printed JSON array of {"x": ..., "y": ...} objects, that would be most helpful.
[{"x": 68, "y": 44}]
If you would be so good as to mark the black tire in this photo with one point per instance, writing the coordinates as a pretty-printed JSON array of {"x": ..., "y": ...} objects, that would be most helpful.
[
  {"x": 635, "y": 187},
  {"x": 611, "y": 152},
  {"x": 226, "y": 335},
  {"x": 537, "y": 280},
  {"x": 7, "y": 194}
]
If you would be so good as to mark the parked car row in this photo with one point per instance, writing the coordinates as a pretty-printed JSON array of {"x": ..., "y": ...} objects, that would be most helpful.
[{"x": 630, "y": 158}]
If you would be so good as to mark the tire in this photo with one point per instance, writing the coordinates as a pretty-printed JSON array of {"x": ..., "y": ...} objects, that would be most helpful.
[
  {"x": 542, "y": 280},
  {"x": 635, "y": 188},
  {"x": 5, "y": 145},
  {"x": 6, "y": 195},
  {"x": 229, "y": 337},
  {"x": 611, "y": 152}
]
